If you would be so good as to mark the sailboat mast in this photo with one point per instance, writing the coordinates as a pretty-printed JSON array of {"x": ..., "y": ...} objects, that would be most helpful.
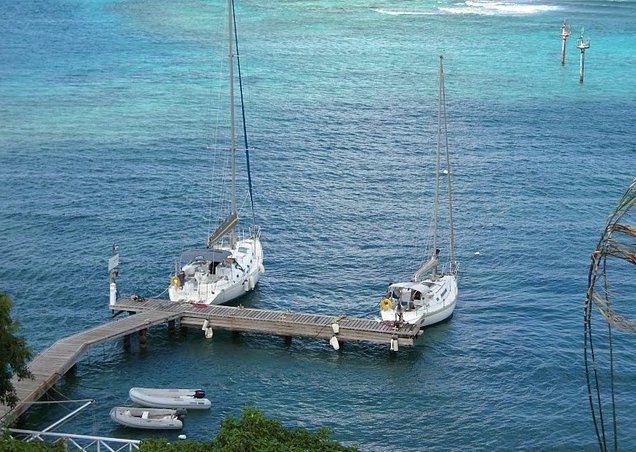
[
  {"x": 448, "y": 165},
  {"x": 437, "y": 168},
  {"x": 230, "y": 22}
]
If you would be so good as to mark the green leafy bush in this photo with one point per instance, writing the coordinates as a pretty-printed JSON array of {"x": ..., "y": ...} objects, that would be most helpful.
[
  {"x": 8, "y": 444},
  {"x": 255, "y": 432}
]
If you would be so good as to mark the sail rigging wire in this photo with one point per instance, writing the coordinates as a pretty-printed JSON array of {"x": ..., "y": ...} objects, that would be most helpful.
[
  {"x": 448, "y": 165},
  {"x": 617, "y": 244},
  {"x": 240, "y": 79},
  {"x": 215, "y": 140},
  {"x": 437, "y": 159}
]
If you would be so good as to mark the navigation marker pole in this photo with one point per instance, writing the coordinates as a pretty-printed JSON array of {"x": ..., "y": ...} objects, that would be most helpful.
[
  {"x": 566, "y": 31},
  {"x": 582, "y": 44}
]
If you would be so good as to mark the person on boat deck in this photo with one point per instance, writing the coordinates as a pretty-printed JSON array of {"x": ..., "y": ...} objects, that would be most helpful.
[
  {"x": 399, "y": 315},
  {"x": 412, "y": 299}
]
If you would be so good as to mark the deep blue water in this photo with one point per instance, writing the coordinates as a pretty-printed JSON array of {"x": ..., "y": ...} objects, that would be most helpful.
[{"x": 107, "y": 110}]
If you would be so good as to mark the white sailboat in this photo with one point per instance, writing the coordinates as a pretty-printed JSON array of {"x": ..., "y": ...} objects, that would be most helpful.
[
  {"x": 431, "y": 294},
  {"x": 231, "y": 263}
]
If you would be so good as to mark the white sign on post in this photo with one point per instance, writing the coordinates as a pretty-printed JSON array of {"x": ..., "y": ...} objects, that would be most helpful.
[{"x": 113, "y": 262}]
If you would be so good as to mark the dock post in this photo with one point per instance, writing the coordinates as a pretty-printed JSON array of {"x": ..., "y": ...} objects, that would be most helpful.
[
  {"x": 127, "y": 342},
  {"x": 582, "y": 45},
  {"x": 143, "y": 337},
  {"x": 113, "y": 262},
  {"x": 171, "y": 326},
  {"x": 566, "y": 31}
]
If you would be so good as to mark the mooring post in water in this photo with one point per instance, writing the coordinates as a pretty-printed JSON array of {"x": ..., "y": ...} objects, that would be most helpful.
[
  {"x": 113, "y": 262},
  {"x": 566, "y": 31},
  {"x": 582, "y": 44},
  {"x": 171, "y": 326},
  {"x": 143, "y": 337}
]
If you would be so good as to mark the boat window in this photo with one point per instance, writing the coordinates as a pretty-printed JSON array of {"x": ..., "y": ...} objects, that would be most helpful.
[{"x": 243, "y": 249}]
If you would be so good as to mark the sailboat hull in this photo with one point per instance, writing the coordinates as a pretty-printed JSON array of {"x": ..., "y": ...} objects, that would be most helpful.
[
  {"x": 220, "y": 276},
  {"x": 425, "y": 303}
]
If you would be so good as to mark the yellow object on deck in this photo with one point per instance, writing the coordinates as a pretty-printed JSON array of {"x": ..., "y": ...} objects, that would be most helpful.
[{"x": 386, "y": 304}]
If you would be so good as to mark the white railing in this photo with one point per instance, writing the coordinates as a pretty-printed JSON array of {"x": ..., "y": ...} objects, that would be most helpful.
[
  {"x": 450, "y": 268},
  {"x": 79, "y": 442}
]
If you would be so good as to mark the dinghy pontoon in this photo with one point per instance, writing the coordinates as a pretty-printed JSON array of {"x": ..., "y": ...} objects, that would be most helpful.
[
  {"x": 147, "y": 418},
  {"x": 192, "y": 399}
]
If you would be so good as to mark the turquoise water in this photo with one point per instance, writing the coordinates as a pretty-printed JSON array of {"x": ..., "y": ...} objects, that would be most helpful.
[{"x": 108, "y": 109}]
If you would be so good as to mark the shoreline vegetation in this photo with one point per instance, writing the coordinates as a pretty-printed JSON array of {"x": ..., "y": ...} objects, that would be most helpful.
[{"x": 252, "y": 432}]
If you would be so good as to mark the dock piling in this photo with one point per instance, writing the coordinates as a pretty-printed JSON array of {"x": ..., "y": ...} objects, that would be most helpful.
[
  {"x": 143, "y": 337},
  {"x": 113, "y": 262}
]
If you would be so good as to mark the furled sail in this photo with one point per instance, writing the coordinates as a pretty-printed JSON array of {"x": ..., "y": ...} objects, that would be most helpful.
[
  {"x": 226, "y": 227},
  {"x": 426, "y": 267}
]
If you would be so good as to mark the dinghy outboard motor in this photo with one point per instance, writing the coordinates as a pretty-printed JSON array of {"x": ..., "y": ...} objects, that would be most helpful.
[
  {"x": 180, "y": 412},
  {"x": 199, "y": 394}
]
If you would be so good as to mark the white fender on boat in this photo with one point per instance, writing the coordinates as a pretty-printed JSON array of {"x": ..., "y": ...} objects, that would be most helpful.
[
  {"x": 209, "y": 333},
  {"x": 334, "y": 343},
  {"x": 206, "y": 322},
  {"x": 335, "y": 327},
  {"x": 394, "y": 345}
]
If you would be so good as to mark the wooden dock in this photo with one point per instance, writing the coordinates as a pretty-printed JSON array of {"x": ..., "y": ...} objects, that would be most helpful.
[
  {"x": 55, "y": 361},
  {"x": 278, "y": 323}
]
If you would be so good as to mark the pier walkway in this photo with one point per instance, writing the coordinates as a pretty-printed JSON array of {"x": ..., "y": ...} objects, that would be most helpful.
[
  {"x": 278, "y": 323},
  {"x": 55, "y": 361}
]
